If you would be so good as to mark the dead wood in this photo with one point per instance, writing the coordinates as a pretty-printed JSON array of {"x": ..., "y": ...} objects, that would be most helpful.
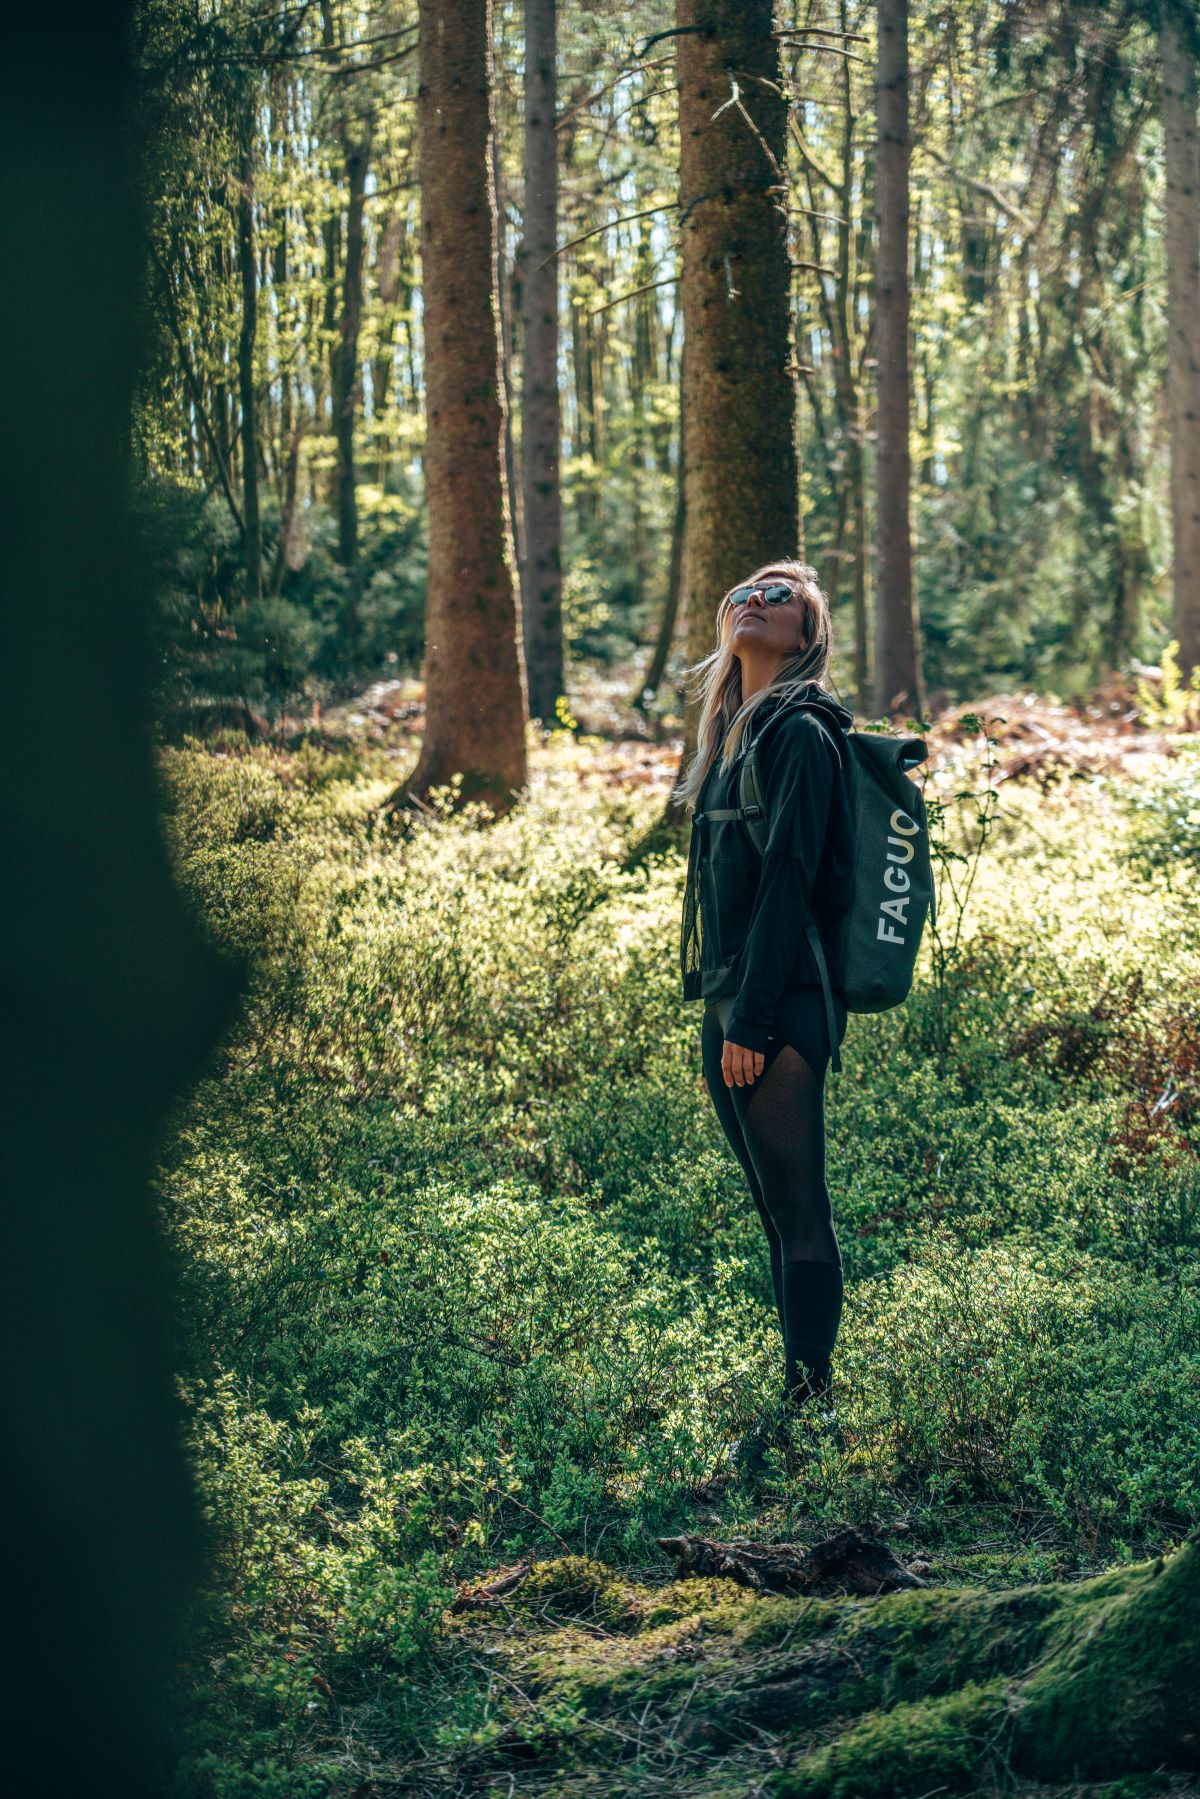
[
  {"x": 850, "y": 1561},
  {"x": 492, "y": 1591}
]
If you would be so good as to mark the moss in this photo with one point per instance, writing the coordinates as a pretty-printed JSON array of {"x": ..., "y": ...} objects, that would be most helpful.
[
  {"x": 904, "y": 1752},
  {"x": 1122, "y": 1691},
  {"x": 576, "y": 1586},
  {"x": 721, "y": 1602},
  {"x": 910, "y": 1690},
  {"x": 776, "y": 1622},
  {"x": 932, "y": 1642}
]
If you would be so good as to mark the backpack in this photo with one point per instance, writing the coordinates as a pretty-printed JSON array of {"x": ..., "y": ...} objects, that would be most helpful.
[{"x": 879, "y": 936}]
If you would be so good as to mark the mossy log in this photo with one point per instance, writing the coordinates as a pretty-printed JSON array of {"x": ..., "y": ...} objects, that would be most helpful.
[
  {"x": 932, "y": 1688},
  {"x": 1110, "y": 1686}
]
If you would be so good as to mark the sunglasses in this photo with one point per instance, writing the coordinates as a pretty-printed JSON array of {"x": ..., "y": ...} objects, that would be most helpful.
[{"x": 775, "y": 594}]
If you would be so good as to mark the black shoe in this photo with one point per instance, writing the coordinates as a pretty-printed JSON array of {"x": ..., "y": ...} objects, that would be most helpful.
[
  {"x": 812, "y": 1422},
  {"x": 749, "y": 1453}
]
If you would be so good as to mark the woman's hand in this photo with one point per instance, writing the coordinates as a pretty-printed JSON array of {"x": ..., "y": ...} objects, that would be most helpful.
[{"x": 740, "y": 1066}]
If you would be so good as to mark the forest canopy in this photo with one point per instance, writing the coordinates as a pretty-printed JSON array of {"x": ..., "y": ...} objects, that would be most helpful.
[{"x": 281, "y": 423}]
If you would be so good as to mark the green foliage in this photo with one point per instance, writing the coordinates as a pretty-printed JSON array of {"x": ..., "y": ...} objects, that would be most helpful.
[
  {"x": 470, "y": 1274},
  {"x": 1166, "y": 813},
  {"x": 213, "y": 643},
  {"x": 1054, "y": 1379},
  {"x": 1175, "y": 704}
]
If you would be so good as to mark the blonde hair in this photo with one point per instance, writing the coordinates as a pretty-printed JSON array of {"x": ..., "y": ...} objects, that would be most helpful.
[{"x": 718, "y": 676}]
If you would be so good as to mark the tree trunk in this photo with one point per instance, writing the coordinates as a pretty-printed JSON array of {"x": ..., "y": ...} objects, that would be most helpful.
[
  {"x": 110, "y": 998},
  {"x": 897, "y": 667},
  {"x": 585, "y": 442},
  {"x": 344, "y": 363},
  {"x": 739, "y": 395},
  {"x": 291, "y": 429},
  {"x": 541, "y": 596},
  {"x": 251, "y": 526},
  {"x": 512, "y": 479},
  {"x": 474, "y": 669},
  {"x": 850, "y": 379},
  {"x": 388, "y": 281},
  {"x": 846, "y": 342},
  {"x": 666, "y": 630},
  {"x": 331, "y": 242},
  {"x": 219, "y": 403},
  {"x": 1183, "y": 320}
]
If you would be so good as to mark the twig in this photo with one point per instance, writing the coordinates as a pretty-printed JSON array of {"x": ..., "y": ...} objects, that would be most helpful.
[
  {"x": 608, "y": 225},
  {"x": 646, "y": 287}
]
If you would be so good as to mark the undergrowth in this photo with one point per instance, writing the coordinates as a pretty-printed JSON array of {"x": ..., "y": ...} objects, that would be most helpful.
[{"x": 470, "y": 1275}]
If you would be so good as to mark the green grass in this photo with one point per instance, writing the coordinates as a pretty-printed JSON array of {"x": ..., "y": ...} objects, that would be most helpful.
[{"x": 469, "y": 1273}]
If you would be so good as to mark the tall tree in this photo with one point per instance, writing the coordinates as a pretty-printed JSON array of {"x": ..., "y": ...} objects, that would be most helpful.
[
  {"x": 1178, "y": 38},
  {"x": 355, "y": 133},
  {"x": 474, "y": 668},
  {"x": 540, "y": 420},
  {"x": 664, "y": 640},
  {"x": 740, "y": 464},
  {"x": 247, "y": 336},
  {"x": 897, "y": 658},
  {"x": 838, "y": 182},
  {"x": 344, "y": 365},
  {"x": 504, "y": 287}
]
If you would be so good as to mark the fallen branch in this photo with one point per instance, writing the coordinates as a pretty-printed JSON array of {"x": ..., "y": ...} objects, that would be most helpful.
[
  {"x": 492, "y": 1591},
  {"x": 850, "y": 1561}
]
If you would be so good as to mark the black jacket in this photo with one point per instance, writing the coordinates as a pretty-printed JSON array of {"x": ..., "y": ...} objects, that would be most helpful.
[{"x": 743, "y": 917}]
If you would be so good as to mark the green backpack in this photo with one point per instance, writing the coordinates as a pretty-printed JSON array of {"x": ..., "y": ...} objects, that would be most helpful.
[{"x": 879, "y": 936}]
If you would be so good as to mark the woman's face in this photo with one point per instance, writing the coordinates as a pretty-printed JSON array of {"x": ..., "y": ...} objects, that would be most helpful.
[{"x": 773, "y": 628}]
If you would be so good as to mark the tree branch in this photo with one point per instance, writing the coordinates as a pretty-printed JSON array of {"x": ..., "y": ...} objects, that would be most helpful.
[{"x": 1009, "y": 208}]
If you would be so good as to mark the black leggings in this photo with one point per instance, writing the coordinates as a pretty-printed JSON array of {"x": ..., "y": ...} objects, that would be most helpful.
[{"x": 776, "y": 1128}]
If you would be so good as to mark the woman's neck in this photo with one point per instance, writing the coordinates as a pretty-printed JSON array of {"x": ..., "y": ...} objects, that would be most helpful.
[{"x": 757, "y": 673}]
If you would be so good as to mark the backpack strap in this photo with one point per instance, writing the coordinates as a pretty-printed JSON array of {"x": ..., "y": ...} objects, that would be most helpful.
[
  {"x": 818, "y": 951},
  {"x": 719, "y": 813}
]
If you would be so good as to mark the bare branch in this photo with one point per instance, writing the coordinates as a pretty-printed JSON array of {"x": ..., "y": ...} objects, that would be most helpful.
[
  {"x": 608, "y": 225},
  {"x": 1009, "y": 208},
  {"x": 646, "y": 287}
]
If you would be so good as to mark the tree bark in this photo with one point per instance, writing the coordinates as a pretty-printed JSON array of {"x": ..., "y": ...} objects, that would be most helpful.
[
  {"x": 388, "y": 282},
  {"x": 251, "y": 525},
  {"x": 739, "y": 394},
  {"x": 512, "y": 479},
  {"x": 897, "y": 659},
  {"x": 344, "y": 363},
  {"x": 847, "y": 340},
  {"x": 676, "y": 596},
  {"x": 850, "y": 1561},
  {"x": 474, "y": 668},
  {"x": 670, "y": 616},
  {"x": 541, "y": 596},
  {"x": 1183, "y": 321}
]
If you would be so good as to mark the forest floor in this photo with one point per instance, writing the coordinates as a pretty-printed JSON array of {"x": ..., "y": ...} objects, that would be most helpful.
[
  {"x": 478, "y": 1307},
  {"x": 1037, "y": 738}
]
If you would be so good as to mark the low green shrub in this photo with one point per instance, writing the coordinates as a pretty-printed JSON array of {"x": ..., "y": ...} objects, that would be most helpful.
[{"x": 470, "y": 1274}]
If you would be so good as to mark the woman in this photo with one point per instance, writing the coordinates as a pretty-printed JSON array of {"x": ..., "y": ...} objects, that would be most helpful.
[{"x": 764, "y": 1038}]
